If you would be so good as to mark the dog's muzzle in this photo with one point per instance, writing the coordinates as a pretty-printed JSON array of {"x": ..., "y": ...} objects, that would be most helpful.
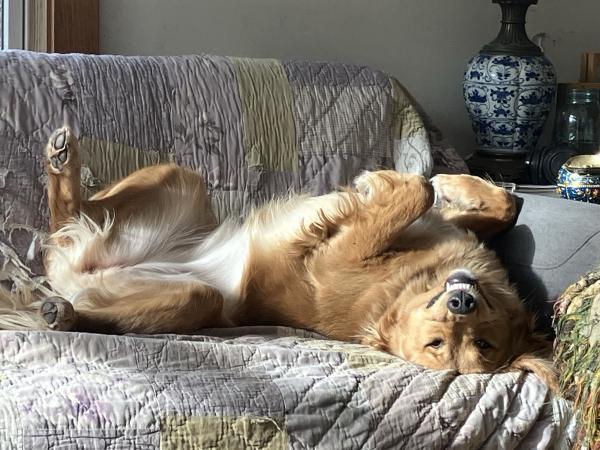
[{"x": 460, "y": 285}]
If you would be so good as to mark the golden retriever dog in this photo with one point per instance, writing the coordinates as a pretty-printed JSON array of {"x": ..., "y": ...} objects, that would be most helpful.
[{"x": 395, "y": 263}]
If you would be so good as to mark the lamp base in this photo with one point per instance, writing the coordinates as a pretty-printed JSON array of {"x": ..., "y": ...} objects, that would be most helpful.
[{"x": 510, "y": 169}]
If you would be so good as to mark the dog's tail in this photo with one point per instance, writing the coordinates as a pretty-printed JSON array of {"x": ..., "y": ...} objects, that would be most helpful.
[
  {"x": 19, "y": 309},
  {"x": 21, "y": 293}
]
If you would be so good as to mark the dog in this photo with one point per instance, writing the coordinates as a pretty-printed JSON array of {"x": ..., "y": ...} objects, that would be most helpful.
[{"x": 396, "y": 263}]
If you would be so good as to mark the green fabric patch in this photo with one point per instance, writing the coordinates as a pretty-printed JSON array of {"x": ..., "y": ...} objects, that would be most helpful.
[
  {"x": 357, "y": 356},
  {"x": 225, "y": 432},
  {"x": 408, "y": 122},
  {"x": 105, "y": 162},
  {"x": 372, "y": 359},
  {"x": 269, "y": 125}
]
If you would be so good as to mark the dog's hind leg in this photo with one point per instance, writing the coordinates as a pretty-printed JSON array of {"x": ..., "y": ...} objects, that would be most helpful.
[
  {"x": 58, "y": 314},
  {"x": 63, "y": 167},
  {"x": 153, "y": 307}
]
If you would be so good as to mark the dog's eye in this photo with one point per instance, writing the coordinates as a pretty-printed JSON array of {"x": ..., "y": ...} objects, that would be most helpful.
[
  {"x": 436, "y": 343},
  {"x": 482, "y": 344}
]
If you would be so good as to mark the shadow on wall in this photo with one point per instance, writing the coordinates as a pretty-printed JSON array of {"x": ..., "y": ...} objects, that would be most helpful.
[{"x": 518, "y": 244}]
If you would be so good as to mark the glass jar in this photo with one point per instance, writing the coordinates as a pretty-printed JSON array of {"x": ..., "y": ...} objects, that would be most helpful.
[{"x": 578, "y": 118}]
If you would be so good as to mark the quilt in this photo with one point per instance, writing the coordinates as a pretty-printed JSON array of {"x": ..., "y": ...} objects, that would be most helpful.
[{"x": 257, "y": 388}]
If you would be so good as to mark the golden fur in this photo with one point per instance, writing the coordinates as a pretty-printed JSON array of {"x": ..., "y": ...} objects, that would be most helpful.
[{"x": 368, "y": 264}]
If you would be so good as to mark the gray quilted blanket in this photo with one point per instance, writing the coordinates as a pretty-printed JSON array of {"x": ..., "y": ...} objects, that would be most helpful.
[
  {"x": 255, "y": 129},
  {"x": 269, "y": 388}
]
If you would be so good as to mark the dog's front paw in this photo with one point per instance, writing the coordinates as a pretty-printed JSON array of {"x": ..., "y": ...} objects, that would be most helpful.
[
  {"x": 58, "y": 313},
  {"x": 464, "y": 192},
  {"x": 380, "y": 185},
  {"x": 61, "y": 150},
  {"x": 364, "y": 184}
]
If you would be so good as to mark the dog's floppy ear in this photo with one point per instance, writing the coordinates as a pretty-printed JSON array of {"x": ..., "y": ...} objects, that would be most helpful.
[
  {"x": 532, "y": 353},
  {"x": 378, "y": 334},
  {"x": 373, "y": 338}
]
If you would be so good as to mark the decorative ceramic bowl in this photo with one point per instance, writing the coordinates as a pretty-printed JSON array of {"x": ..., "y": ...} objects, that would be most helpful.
[{"x": 579, "y": 179}]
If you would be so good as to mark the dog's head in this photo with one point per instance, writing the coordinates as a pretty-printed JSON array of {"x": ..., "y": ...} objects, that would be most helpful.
[{"x": 466, "y": 319}]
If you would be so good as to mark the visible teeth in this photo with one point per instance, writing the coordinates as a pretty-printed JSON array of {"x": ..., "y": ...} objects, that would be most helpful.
[{"x": 458, "y": 287}]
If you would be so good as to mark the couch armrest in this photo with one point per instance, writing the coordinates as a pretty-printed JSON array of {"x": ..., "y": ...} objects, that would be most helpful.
[{"x": 553, "y": 243}]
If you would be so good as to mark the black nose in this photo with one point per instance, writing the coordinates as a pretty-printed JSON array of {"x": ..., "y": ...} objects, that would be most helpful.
[{"x": 461, "y": 302}]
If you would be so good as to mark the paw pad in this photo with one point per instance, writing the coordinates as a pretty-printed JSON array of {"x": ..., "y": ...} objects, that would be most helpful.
[
  {"x": 57, "y": 313},
  {"x": 59, "y": 149}
]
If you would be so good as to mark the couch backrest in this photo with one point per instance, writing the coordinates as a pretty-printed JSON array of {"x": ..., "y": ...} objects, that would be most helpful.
[{"x": 255, "y": 128}]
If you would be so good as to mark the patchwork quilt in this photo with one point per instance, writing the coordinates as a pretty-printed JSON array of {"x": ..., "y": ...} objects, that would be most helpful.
[
  {"x": 257, "y": 388},
  {"x": 255, "y": 129}
]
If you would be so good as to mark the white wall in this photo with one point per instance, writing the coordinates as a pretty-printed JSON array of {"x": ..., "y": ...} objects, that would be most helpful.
[{"x": 424, "y": 43}]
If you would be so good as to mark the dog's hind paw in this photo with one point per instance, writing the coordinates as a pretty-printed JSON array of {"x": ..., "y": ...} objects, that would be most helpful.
[
  {"x": 61, "y": 150},
  {"x": 58, "y": 313}
]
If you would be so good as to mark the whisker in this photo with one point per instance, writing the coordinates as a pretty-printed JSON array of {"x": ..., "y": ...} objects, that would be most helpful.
[{"x": 434, "y": 299}]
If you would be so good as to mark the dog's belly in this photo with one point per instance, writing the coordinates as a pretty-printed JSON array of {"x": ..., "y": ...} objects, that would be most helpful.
[
  {"x": 111, "y": 260},
  {"x": 279, "y": 222},
  {"x": 276, "y": 287},
  {"x": 227, "y": 260}
]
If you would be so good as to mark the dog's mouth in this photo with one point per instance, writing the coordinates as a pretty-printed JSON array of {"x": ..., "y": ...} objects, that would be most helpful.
[{"x": 461, "y": 280}]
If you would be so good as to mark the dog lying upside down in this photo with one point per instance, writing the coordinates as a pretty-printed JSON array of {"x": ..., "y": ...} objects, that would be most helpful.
[{"x": 376, "y": 265}]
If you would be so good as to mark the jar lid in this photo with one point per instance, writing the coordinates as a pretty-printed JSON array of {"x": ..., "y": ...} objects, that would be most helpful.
[
  {"x": 580, "y": 86},
  {"x": 584, "y": 164},
  {"x": 579, "y": 92}
]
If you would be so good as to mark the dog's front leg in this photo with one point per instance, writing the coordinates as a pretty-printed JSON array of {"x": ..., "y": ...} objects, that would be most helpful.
[
  {"x": 389, "y": 202},
  {"x": 64, "y": 176},
  {"x": 475, "y": 204}
]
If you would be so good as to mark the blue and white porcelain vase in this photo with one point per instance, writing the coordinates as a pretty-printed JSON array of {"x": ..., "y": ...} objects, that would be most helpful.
[{"x": 509, "y": 87}]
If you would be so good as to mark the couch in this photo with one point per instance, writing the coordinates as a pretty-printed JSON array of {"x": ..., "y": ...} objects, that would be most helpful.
[{"x": 255, "y": 129}]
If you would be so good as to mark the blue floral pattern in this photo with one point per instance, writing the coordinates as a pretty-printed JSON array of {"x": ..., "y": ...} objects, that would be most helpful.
[{"x": 508, "y": 99}]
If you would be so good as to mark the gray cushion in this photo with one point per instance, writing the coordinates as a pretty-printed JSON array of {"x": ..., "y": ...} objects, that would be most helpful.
[{"x": 552, "y": 244}]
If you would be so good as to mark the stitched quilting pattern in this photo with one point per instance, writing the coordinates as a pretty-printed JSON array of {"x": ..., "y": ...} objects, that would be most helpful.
[{"x": 265, "y": 385}]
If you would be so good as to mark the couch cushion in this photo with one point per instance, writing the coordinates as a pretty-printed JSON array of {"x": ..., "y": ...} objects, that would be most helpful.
[{"x": 553, "y": 243}]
